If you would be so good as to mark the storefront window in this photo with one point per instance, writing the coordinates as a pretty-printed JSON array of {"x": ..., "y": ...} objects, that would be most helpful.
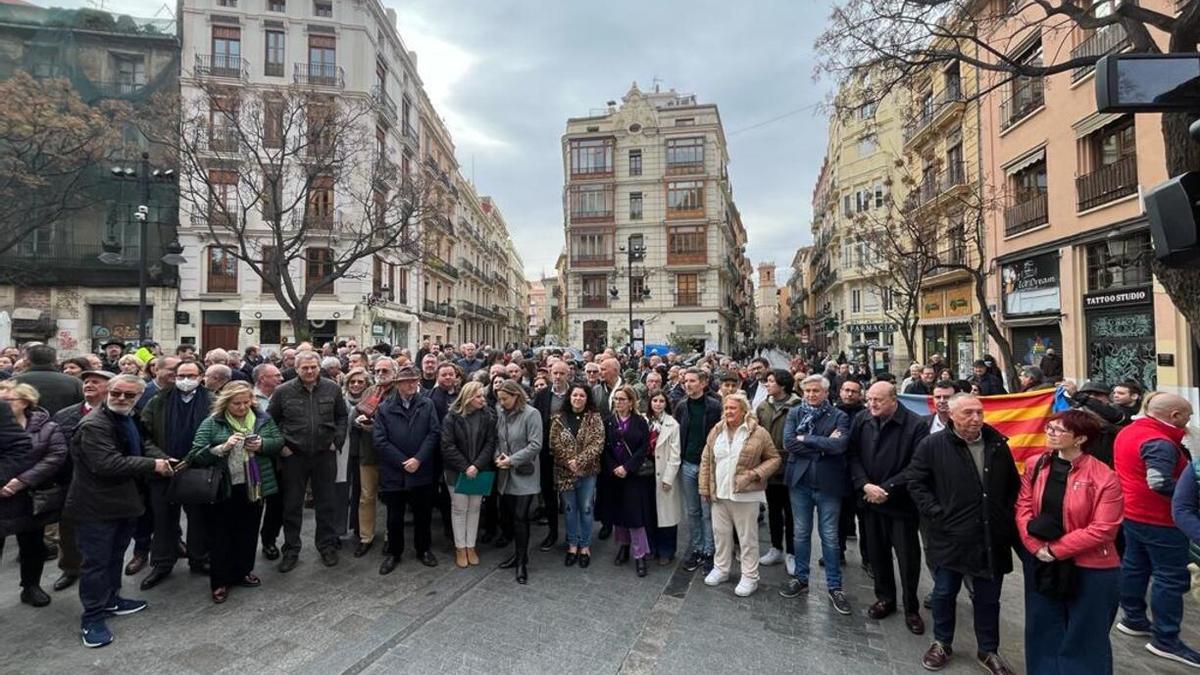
[
  {"x": 1119, "y": 262},
  {"x": 1121, "y": 346},
  {"x": 117, "y": 321},
  {"x": 1030, "y": 343}
]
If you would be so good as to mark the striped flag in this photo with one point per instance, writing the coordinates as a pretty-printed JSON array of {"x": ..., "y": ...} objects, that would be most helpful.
[{"x": 1019, "y": 417}]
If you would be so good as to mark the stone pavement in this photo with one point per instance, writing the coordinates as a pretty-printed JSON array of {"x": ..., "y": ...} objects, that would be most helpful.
[{"x": 348, "y": 619}]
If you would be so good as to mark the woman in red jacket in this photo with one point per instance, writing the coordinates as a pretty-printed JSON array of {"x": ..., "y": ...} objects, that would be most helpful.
[{"x": 1068, "y": 514}]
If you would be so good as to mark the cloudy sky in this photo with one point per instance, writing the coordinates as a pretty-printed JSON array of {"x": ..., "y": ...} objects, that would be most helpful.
[{"x": 506, "y": 74}]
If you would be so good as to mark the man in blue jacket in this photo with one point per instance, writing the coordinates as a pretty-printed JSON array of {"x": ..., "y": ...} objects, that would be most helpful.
[
  {"x": 815, "y": 435},
  {"x": 407, "y": 436}
]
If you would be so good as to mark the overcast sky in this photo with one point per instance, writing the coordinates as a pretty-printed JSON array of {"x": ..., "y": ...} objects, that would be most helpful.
[{"x": 506, "y": 75}]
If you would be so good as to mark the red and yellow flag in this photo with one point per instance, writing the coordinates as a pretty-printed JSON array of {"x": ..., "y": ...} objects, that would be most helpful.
[{"x": 1019, "y": 417}]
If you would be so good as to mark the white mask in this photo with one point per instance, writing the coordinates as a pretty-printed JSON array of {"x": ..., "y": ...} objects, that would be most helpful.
[{"x": 187, "y": 384}]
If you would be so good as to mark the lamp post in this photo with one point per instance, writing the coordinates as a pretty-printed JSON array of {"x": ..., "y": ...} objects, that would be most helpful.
[
  {"x": 635, "y": 252},
  {"x": 111, "y": 254}
]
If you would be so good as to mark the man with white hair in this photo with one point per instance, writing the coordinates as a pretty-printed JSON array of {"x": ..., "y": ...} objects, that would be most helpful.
[{"x": 469, "y": 362}]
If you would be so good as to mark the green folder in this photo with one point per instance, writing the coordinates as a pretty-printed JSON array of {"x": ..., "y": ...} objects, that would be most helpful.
[{"x": 481, "y": 484}]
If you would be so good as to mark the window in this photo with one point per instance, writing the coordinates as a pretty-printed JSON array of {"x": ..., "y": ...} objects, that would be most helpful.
[
  {"x": 1115, "y": 142},
  {"x": 1027, "y": 94},
  {"x": 273, "y": 64},
  {"x": 855, "y": 301},
  {"x": 322, "y": 59},
  {"x": 953, "y": 82},
  {"x": 226, "y": 51},
  {"x": 272, "y": 198},
  {"x": 591, "y": 157},
  {"x": 635, "y": 162},
  {"x": 685, "y": 121},
  {"x": 592, "y": 248},
  {"x": 687, "y": 290},
  {"x": 846, "y": 204},
  {"x": 320, "y": 202},
  {"x": 954, "y": 165},
  {"x": 635, "y": 206},
  {"x": 379, "y": 277},
  {"x": 319, "y": 130},
  {"x": 227, "y": 3},
  {"x": 222, "y": 270},
  {"x": 686, "y": 245},
  {"x": 223, "y": 124},
  {"x": 40, "y": 242},
  {"x": 886, "y": 299},
  {"x": 878, "y": 194},
  {"x": 269, "y": 266},
  {"x": 402, "y": 286},
  {"x": 685, "y": 155},
  {"x": 269, "y": 332},
  {"x": 318, "y": 266},
  {"x": 131, "y": 74},
  {"x": 591, "y": 202},
  {"x": 866, "y": 145},
  {"x": 595, "y": 291},
  {"x": 685, "y": 199},
  {"x": 1119, "y": 262},
  {"x": 276, "y": 5},
  {"x": 637, "y": 288},
  {"x": 323, "y": 8},
  {"x": 1030, "y": 182},
  {"x": 273, "y": 133},
  {"x": 223, "y": 201},
  {"x": 1110, "y": 162},
  {"x": 866, "y": 111}
]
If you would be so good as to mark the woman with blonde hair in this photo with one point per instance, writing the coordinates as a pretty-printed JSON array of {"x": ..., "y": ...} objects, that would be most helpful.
[
  {"x": 354, "y": 389},
  {"x": 130, "y": 365},
  {"x": 241, "y": 442},
  {"x": 468, "y": 443}
]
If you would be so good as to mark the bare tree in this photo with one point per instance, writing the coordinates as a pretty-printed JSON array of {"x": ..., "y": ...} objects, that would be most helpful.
[
  {"x": 891, "y": 42},
  {"x": 288, "y": 178}
]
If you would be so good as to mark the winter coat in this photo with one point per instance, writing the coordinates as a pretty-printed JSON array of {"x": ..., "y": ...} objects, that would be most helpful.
[
  {"x": 585, "y": 448},
  {"x": 772, "y": 418},
  {"x": 879, "y": 454},
  {"x": 758, "y": 460},
  {"x": 55, "y": 390},
  {"x": 215, "y": 430},
  {"x": 629, "y": 501},
  {"x": 49, "y": 453},
  {"x": 519, "y": 435},
  {"x": 104, "y": 481},
  {"x": 1092, "y": 512},
  {"x": 712, "y": 415},
  {"x": 402, "y": 433},
  {"x": 666, "y": 470},
  {"x": 468, "y": 440},
  {"x": 819, "y": 451},
  {"x": 971, "y": 523},
  {"x": 310, "y": 421}
]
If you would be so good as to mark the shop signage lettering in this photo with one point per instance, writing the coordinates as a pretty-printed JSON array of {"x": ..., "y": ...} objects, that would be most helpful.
[
  {"x": 1030, "y": 286},
  {"x": 872, "y": 327},
  {"x": 1130, "y": 296}
]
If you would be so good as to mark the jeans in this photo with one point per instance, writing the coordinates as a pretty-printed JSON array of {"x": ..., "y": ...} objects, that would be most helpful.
[
  {"x": 985, "y": 602},
  {"x": 1070, "y": 637},
  {"x": 804, "y": 500},
  {"x": 699, "y": 513},
  {"x": 577, "y": 511},
  {"x": 1161, "y": 553},
  {"x": 102, "y": 544}
]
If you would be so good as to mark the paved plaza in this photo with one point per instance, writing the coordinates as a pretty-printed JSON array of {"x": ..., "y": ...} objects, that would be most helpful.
[{"x": 348, "y": 619}]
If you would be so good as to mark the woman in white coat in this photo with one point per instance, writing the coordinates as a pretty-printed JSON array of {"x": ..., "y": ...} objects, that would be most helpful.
[{"x": 664, "y": 436}]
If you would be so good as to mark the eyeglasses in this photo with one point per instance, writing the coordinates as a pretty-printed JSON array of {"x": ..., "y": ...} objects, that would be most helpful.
[
  {"x": 1055, "y": 430},
  {"x": 383, "y": 371},
  {"x": 127, "y": 395}
]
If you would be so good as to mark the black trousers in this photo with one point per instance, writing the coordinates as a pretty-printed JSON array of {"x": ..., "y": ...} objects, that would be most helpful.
[
  {"x": 779, "y": 518},
  {"x": 441, "y": 501},
  {"x": 164, "y": 547},
  {"x": 31, "y": 546},
  {"x": 296, "y": 472},
  {"x": 355, "y": 479},
  {"x": 420, "y": 499},
  {"x": 852, "y": 508},
  {"x": 232, "y": 526},
  {"x": 887, "y": 533},
  {"x": 272, "y": 522},
  {"x": 143, "y": 532},
  {"x": 549, "y": 494},
  {"x": 516, "y": 512},
  {"x": 69, "y": 559}
]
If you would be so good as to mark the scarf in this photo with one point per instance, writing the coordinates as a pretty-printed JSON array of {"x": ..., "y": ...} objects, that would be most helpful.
[
  {"x": 810, "y": 414},
  {"x": 130, "y": 434},
  {"x": 245, "y": 426},
  {"x": 182, "y": 419}
]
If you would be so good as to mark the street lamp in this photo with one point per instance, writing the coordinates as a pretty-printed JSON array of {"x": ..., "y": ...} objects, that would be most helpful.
[
  {"x": 635, "y": 252},
  {"x": 111, "y": 248}
]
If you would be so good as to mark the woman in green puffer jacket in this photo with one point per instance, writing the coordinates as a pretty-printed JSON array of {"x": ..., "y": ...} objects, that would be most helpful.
[{"x": 234, "y": 437}]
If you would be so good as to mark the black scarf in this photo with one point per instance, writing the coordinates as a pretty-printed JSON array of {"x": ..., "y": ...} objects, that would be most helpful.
[{"x": 182, "y": 420}]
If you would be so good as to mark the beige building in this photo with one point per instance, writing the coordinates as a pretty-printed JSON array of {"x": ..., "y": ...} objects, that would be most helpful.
[
  {"x": 653, "y": 237},
  {"x": 438, "y": 276},
  {"x": 766, "y": 303}
]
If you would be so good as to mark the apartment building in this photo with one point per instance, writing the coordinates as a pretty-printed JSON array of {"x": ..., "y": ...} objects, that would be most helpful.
[
  {"x": 654, "y": 243},
  {"x": 1071, "y": 240},
  {"x": 800, "y": 300},
  {"x": 439, "y": 276}
]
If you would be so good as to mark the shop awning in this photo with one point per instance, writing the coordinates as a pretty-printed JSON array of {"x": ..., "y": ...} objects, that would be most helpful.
[
  {"x": 1025, "y": 161},
  {"x": 316, "y": 312},
  {"x": 1043, "y": 320},
  {"x": 945, "y": 320},
  {"x": 389, "y": 314}
]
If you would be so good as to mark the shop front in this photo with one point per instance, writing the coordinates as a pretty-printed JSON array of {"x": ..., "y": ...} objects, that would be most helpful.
[
  {"x": 872, "y": 343},
  {"x": 947, "y": 319},
  {"x": 1119, "y": 311},
  {"x": 117, "y": 322},
  {"x": 1032, "y": 306}
]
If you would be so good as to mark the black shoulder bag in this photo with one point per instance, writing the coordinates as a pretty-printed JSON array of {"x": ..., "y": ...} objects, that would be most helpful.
[
  {"x": 1056, "y": 579},
  {"x": 196, "y": 485}
]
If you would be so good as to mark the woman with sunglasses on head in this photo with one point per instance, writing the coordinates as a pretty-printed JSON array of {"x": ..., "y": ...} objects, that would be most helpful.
[{"x": 1069, "y": 511}]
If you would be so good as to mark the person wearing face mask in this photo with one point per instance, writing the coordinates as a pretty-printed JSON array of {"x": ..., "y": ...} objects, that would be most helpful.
[{"x": 172, "y": 418}]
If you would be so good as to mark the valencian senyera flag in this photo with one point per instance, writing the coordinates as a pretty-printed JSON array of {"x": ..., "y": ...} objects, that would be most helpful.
[{"x": 1021, "y": 418}]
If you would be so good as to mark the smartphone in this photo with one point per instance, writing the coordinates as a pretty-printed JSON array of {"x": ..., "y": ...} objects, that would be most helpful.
[
  {"x": 177, "y": 464},
  {"x": 253, "y": 437}
]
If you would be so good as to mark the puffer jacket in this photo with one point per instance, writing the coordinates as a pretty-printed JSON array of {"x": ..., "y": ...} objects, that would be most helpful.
[
  {"x": 215, "y": 431},
  {"x": 758, "y": 460},
  {"x": 1092, "y": 512},
  {"x": 772, "y": 418},
  {"x": 585, "y": 448},
  {"x": 49, "y": 454}
]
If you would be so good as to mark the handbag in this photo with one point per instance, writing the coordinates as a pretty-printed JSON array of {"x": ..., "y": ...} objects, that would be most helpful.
[
  {"x": 526, "y": 469},
  {"x": 647, "y": 468},
  {"x": 48, "y": 500},
  {"x": 196, "y": 485}
]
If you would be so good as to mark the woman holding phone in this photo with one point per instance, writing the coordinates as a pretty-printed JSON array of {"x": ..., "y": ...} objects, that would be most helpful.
[
  {"x": 241, "y": 443},
  {"x": 468, "y": 443}
]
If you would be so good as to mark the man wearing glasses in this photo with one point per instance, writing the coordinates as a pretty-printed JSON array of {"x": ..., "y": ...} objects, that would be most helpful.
[
  {"x": 111, "y": 451},
  {"x": 363, "y": 417}
]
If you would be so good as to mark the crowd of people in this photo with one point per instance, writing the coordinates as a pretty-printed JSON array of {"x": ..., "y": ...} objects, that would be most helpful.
[{"x": 103, "y": 452}]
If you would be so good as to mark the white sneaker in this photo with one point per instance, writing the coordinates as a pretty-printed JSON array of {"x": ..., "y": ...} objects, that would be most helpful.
[
  {"x": 773, "y": 556},
  {"x": 790, "y": 565},
  {"x": 745, "y": 587},
  {"x": 716, "y": 578}
]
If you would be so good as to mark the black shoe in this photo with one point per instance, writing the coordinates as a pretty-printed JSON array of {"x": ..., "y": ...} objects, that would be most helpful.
[
  {"x": 509, "y": 562},
  {"x": 289, "y": 562},
  {"x": 522, "y": 573},
  {"x": 389, "y": 563},
  {"x": 201, "y": 567},
  {"x": 585, "y": 559},
  {"x": 34, "y": 595},
  {"x": 605, "y": 532},
  {"x": 65, "y": 581},
  {"x": 707, "y": 563},
  {"x": 549, "y": 542},
  {"x": 840, "y": 604},
  {"x": 640, "y": 565},
  {"x": 622, "y": 555},
  {"x": 427, "y": 559},
  {"x": 270, "y": 551},
  {"x": 156, "y": 577},
  {"x": 363, "y": 548},
  {"x": 663, "y": 562},
  {"x": 52, "y": 552},
  {"x": 793, "y": 588},
  {"x": 501, "y": 542},
  {"x": 692, "y": 562},
  {"x": 329, "y": 557},
  {"x": 571, "y": 559},
  {"x": 487, "y": 537}
]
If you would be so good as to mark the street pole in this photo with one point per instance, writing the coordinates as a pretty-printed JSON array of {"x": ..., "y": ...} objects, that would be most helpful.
[{"x": 143, "y": 213}]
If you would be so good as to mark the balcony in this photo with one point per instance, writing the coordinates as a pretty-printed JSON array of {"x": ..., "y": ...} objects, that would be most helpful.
[
  {"x": 222, "y": 140},
  {"x": 410, "y": 134},
  {"x": 687, "y": 299},
  {"x": 319, "y": 75},
  {"x": 315, "y": 219},
  {"x": 687, "y": 257},
  {"x": 470, "y": 268},
  {"x": 1106, "y": 40},
  {"x": 592, "y": 260},
  {"x": 1027, "y": 214},
  {"x": 591, "y": 203},
  {"x": 1108, "y": 183},
  {"x": 1027, "y": 96},
  {"x": 439, "y": 308},
  {"x": 933, "y": 112},
  {"x": 384, "y": 103},
  {"x": 594, "y": 301},
  {"x": 685, "y": 168},
  {"x": 225, "y": 66},
  {"x": 120, "y": 89},
  {"x": 436, "y": 263},
  {"x": 934, "y": 186}
]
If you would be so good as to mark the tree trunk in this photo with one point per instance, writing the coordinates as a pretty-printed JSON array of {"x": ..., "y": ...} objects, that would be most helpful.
[
  {"x": 1182, "y": 155},
  {"x": 1007, "y": 361}
]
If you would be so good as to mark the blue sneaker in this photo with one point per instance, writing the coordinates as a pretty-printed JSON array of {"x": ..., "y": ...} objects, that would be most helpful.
[
  {"x": 96, "y": 635},
  {"x": 125, "y": 607},
  {"x": 1135, "y": 628},
  {"x": 1178, "y": 652}
]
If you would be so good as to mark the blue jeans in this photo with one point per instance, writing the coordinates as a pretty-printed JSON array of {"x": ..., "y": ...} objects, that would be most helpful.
[
  {"x": 1161, "y": 553},
  {"x": 699, "y": 514},
  {"x": 102, "y": 545},
  {"x": 985, "y": 604},
  {"x": 1070, "y": 637},
  {"x": 804, "y": 499},
  {"x": 577, "y": 511}
]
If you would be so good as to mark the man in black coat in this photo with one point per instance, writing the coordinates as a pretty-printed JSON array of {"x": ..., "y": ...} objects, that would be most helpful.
[
  {"x": 697, "y": 414},
  {"x": 548, "y": 402},
  {"x": 965, "y": 484},
  {"x": 924, "y": 385},
  {"x": 55, "y": 390},
  {"x": 111, "y": 355},
  {"x": 881, "y": 447}
]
